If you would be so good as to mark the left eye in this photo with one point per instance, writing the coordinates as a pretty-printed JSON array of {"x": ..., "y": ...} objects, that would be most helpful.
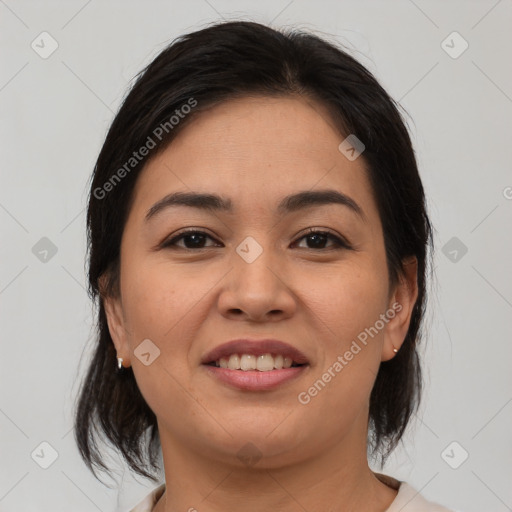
[
  {"x": 319, "y": 238},
  {"x": 196, "y": 240}
]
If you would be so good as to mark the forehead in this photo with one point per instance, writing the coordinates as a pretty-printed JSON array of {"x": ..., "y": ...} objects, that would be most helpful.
[
  {"x": 269, "y": 130},
  {"x": 255, "y": 151}
]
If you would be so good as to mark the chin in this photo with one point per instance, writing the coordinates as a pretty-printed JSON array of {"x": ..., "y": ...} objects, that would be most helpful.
[{"x": 268, "y": 442}]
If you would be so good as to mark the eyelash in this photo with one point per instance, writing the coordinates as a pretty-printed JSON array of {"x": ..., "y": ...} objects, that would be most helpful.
[{"x": 339, "y": 243}]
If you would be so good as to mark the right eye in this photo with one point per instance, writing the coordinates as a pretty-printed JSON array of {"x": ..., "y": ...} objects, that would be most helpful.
[{"x": 192, "y": 239}]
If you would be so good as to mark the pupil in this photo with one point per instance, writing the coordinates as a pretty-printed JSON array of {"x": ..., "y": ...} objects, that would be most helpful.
[
  {"x": 197, "y": 239},
  {"x": 316, "y": 240}
]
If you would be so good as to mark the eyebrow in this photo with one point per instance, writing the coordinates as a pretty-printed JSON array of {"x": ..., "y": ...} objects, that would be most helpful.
[{"x": 289, "y": 204}]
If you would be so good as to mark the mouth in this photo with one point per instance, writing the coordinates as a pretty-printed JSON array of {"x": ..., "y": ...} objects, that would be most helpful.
[
  {"x": 255, "y": 365},
  {"x": 263, "y": 363}
]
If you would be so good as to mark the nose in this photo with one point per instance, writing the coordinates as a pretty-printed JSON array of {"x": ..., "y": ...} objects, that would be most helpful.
[{"x": 259, "y": 291}]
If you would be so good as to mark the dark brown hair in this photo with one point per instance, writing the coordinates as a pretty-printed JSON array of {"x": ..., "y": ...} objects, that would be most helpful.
[{"x": 212, "y": 65}]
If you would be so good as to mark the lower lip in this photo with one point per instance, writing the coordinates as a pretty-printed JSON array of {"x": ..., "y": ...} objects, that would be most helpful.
[{"x": 254, "y": 380}]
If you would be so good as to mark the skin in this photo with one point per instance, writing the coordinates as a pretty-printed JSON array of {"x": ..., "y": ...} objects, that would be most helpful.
[{"x": 316, "y": 297}]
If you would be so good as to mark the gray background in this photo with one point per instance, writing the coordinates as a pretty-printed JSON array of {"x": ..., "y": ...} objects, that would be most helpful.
[{"x": 55, "y": 113}]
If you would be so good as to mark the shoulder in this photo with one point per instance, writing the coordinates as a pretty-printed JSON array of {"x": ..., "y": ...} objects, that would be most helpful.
[
  {"x": 409, "y": 499},
  {"x": 147, "y": 504}
]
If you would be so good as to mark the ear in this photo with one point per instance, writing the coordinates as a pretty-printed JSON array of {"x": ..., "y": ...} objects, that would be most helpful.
[
  {"x": 115, "y": 320},
  {"x": 401, "y": 303}
]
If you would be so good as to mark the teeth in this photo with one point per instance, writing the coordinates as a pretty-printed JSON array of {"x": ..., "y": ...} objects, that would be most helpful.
[
  {"x": 263, "y": 363},
  {"x": 247, "y": 362},
  {"x": 234, "y": 362}
]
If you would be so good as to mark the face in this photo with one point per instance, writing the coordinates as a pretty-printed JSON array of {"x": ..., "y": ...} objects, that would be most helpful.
[{"x": 309, "y": 273}]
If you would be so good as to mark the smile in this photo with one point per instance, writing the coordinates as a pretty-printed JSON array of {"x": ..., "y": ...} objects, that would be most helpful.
[
  {"x": 255, "y": 365},
  {"x": 262, "y": 363}
]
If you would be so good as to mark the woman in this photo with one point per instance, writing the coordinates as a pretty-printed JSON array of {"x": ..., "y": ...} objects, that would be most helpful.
[{"x": 258, "y": 244}]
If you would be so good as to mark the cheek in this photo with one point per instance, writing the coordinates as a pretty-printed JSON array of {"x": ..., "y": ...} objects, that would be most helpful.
[
  {"x": 157, "y": 297},
  {"x": 167, "y": 304},
  {"x": 162, "y": 304},
  {"x": 349, "y": 304},
  {"x": 350, "y": 299}
]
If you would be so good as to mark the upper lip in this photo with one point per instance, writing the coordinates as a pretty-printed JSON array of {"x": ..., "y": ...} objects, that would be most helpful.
[{"x": 256, "y": 348}]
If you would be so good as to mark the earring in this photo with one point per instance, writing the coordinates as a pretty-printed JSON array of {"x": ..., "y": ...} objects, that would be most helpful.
[
  {"x": 119, "y": 363},
  {"x": 395, "y": 350}
]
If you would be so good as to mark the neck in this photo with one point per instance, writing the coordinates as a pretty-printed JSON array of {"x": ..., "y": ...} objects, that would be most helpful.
[{"x": 337, "y": 478}]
